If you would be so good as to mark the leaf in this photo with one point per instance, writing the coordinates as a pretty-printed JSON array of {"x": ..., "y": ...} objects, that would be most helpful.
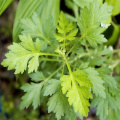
[
  {"x": 80, "y": 100},
  {"x": 37, "y": 76},
  {"x": 32, "y": 95},
  {"x": 105, "y": 106},
  {"x": 102, "y": 107},
  {"x": 97, "y": 82},
  {"x": 27, "y": 7},
  {"x": 108, "y": 79},
  {"x": 4, "y": 4},
  {"x": 52, "y": 87},
  {"x": 82, "y": 3},
  {"x": 84, "y": 65},
  {"x": 89, "y": 22},
  {"x": 35, "y": 28},
  {"x": 23, "y": 54},
  {"x": 116, "y": 6},
  {"x": 97, "y": 61},
  {"x": 113, "y": 115},
  {"x": 66, "y": 30},
  {"x": 32, "y": 27},
  {"x": 77, "y": 85},
  {"x": 58, "y": 104},
  {"x": 70, "y": 4}
]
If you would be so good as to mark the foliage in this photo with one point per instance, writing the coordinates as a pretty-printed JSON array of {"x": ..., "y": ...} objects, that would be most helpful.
[
  {"x": 4, "y": 4},
  {"x": 42, "y": 7},
  {"x": 68, "y": 63}
]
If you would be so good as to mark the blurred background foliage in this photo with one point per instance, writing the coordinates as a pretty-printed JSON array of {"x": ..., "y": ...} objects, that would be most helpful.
[{"x": 10, "y": 92}]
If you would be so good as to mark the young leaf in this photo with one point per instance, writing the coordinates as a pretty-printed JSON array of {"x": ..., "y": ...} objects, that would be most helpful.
[
  {"x": 66, "y": 30},
  {"x": 77, "y": 85},
  {"x": 23, "y": 54},
  {"x": 32, "y": 95},
  {"x": 90, "y": 19},
  {"x": 96, "y": 80}
]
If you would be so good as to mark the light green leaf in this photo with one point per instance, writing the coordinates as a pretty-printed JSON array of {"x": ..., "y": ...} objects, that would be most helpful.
[
  {"x": 66, "y": 83},
  {"x": 90, "y": 20},
  {"x": 77, "y": 85},
  {"x": 81, "y": 98},
  {"x": 22, "y": 55},
  {"x": 66, "y": 30},
  {"x": 32, "y": 95},
  {"x": 116, "y": 6}
]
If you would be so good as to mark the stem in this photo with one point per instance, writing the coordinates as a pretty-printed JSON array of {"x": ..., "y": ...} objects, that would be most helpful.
[
  {"x": 115, "y": 64},
  {"x": 68, "y": 65},
  {"x": 54, "y": 73},
  {"x": 63, "y": 69},
  {"x": 47, "y": 59},
  {"x": 79, "y": 56},
  {"x": 115, "y": 51},
  {"x": 73, "y": 46},
  {"x": 47, "y": 40},
  {"x": 49, "y": 54}
]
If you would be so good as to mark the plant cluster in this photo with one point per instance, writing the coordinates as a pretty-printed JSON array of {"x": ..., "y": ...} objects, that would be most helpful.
[{"x": 68, "y": 64}]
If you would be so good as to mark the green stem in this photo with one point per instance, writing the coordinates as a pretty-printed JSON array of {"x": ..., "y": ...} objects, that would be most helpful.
[
  {"x": 49, "y": 54},
  {"x": 47, "y": 59},
  {"x": 79, "y": 56},
  {"x": 116, "y": 50},
  {"x": 47, "y": 41},
  {"x": 68, "y": 65},
  {"x": 54, "y": 73},
  {"x": 74, "y": 46},
  {"x": 115, "y": 64}
]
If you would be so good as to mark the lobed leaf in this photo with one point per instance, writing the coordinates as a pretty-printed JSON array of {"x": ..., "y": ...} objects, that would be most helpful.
[
  {"x": 37, "y": 76},
  {"x": 97, "y": 82},
  {"x": 58, "y": 104},
  {"x": 52, "y": 87},
  {"x": 32, "y": 95},
  {"x": 90, "y": 20},
  {"x": 77, "y": 85},
  {"x": 22, "y": 55},
  {"x": 66, "y": 29}
]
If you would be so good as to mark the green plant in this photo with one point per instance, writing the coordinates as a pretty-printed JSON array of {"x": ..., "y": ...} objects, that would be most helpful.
[{"x": 68, "y": 63}]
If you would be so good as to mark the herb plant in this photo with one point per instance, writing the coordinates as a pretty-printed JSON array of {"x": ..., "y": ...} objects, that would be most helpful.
[{"x": 68, "y": 64}]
